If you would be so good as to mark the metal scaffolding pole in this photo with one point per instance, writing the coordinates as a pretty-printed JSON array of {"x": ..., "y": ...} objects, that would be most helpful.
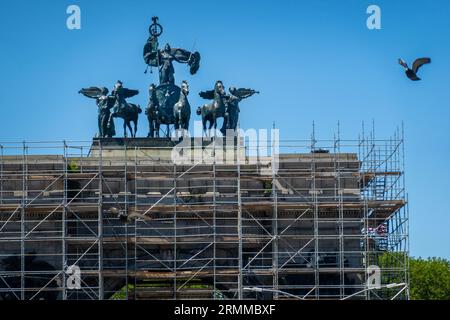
[
  {"x": 22, "y": 220},
  {"x": 275, "y": 236},
  {"x": 315, "y": 216},
  {"x": 64, "y": 225},
  {"x": 100, "y": 223},
  {"x": 214, "y": 222},
  {"x": 175, "y": 255},
  {"x": 239, "y": 217}
]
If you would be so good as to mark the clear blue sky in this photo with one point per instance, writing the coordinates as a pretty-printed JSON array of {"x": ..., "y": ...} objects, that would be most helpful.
[{"x": 312, "y": 60}]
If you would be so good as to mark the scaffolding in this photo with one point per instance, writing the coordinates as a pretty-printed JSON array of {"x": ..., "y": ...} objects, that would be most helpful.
[{"x": 316, "y": 228}]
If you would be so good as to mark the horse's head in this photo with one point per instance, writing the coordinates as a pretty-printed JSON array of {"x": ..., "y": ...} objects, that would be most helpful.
[
  {"x": 219, "y": 88},
  {"x": 185, "y": 87}
]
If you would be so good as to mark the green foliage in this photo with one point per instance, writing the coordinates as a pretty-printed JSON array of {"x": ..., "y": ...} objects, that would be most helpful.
[
  {"x": 72, "y": 167},
  {"x": 430, "y": 279},
  {"x": 267, "y": 185},
  {"x": 121, "y": 294}
]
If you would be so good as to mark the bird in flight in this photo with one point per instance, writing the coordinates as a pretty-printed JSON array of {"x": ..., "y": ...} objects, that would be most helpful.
[{"x": 412, "y": 73}]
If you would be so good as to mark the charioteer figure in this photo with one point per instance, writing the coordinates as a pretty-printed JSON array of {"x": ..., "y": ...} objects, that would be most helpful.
[
  {"x": 170, "y": 98},
  {"x": 163, "y": 59}
]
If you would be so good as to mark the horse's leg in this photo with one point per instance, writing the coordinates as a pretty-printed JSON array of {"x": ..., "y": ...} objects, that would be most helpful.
[
  {"x": 124, "y": 128},
  {"x": 157, "y": 126},
  {"x": 184, "y": 127},
  {"x": 180, "y": 123},
  {"x": 110, "y": 119},
  {"x": 151, "y": 129},
  {"x": 185, "y": 123},
  {"x": 176, "y": 126},
  {"x": 204, "y": 126},
  {"x": 130, "y": 128},
  {"x": 135, "y": 126},
  {"x": 227, "y": 123},
  {"x": 211, "y": 124},
  {"x": 100, "y": 131},
  {"x": 215, "y": 126}
]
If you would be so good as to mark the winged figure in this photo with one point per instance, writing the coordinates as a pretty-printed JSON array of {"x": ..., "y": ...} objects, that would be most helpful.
[
  {"x": 232, "y": 113},
  {"x": 104, "y": 103}
]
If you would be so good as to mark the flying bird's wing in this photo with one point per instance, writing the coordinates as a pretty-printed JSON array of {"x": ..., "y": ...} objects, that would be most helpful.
[
  {"x": 402, "y": 63},
  {"x": 242, "y": 93},
  {"x": 209, "y": 94},
  {"x": 93, "y": 92},
  {"x": 420, "y": 62}
]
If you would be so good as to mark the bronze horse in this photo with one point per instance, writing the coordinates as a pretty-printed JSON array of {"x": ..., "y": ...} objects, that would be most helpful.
[
  {"x": 210, "y": 112},
  {"x": 128, "y": 114},
  {"x": 152, "y": 111},
  {"x": 182, "y": 109}
]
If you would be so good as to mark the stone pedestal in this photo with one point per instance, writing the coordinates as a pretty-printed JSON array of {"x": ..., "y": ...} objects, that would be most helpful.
[{"x": 179, "y": 151}]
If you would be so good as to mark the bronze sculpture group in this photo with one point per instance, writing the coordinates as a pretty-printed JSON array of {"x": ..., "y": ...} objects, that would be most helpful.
[{"x": 168, "y": 104}]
